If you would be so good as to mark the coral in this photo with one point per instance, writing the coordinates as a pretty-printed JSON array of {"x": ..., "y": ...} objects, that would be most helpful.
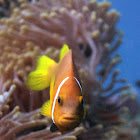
[
  {"x": 42, "y": 27},
  {"x": 14, "y": 68},
  {"x": 16, "y": 124},
  {"x": 6, "y": 7},
  {"x": 33, "y": 27},
  {"x": 4, "y": 99},
  {"x": 130, "y": 130}
]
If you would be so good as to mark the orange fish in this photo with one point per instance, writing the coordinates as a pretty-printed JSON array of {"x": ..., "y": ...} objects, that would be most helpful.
[{"x": 66, "y": 104}]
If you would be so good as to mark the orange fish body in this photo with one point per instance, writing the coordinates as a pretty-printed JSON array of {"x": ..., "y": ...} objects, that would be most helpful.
[
  {"x": 68, "y": 114},
  {"x": 66, "y": 105}
]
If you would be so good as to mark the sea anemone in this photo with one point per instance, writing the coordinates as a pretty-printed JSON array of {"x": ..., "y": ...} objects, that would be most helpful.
[
  {"x": 6, "y": 6},
  {"x": 42, "y": 27}
]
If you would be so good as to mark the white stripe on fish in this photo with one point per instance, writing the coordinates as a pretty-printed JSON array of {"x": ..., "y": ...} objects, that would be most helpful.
[{"x": 56, "y": 96}]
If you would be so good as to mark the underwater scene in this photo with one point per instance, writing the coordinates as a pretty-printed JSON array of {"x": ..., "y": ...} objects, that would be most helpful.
[{"x": 66, "y": 71}]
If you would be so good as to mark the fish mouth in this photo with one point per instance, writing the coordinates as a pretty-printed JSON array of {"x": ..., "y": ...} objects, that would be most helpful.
[
  {"x": 69, "y": 122},
  {"x": 70, "y": 118}
]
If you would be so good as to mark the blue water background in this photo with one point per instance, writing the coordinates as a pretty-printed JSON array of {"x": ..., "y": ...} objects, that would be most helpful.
[{"x": 129, "y": 23}]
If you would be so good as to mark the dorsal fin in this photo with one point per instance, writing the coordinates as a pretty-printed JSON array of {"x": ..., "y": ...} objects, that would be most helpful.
[{"x": 63, "y": 51}]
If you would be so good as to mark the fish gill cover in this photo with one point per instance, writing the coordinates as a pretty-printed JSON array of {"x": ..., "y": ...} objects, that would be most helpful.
[{"x": 41, "y": 27}]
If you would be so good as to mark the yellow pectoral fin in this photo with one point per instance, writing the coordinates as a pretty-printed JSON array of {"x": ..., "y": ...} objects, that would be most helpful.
[
  {"x": 41, "y": 77},
  {"x": 45, "y": 63},
  {"x": 46, "y": 109},
  {"x": 37, "y": 80},
  {"x": 63, "y": 51}
]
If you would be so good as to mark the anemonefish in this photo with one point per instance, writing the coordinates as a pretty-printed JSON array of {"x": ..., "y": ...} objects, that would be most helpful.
[{"x": 66, "y": 104}]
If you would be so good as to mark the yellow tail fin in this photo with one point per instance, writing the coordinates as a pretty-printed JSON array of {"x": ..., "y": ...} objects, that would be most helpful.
[
  {"x": 40, "y": 78},
  {"x": 63, "y": 51}
]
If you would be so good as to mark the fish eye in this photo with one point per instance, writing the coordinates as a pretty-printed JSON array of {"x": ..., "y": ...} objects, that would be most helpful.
[{"x": 59, "y": 100}]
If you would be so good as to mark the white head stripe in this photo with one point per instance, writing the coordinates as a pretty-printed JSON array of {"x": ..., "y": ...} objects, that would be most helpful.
[
  {"x": 56, "y": 96},
  {"x": 78, "y": 83},
  {"x": 79, "y": 86}
]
